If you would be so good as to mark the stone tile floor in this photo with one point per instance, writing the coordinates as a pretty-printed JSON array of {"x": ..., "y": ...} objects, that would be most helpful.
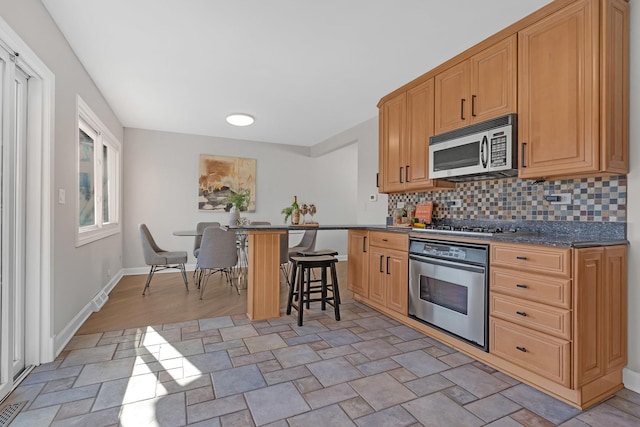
[{"x": 366, "y": 370}]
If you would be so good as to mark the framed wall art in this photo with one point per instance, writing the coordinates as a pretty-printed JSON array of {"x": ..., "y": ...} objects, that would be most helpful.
[{"x": 220, "y": 178}]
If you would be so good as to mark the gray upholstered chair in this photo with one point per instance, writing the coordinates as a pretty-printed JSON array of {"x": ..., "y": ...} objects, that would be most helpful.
[
  {"x": 218, "y": 252},
  {"x": 307, "y": 243},
  {"x": 285, "y": 264},
  {"x": 284, "y": 250},
  {"x": 199, "y": 230},
  {"x": 196, "y": 245},
  {"x": 159, "y": 259}
]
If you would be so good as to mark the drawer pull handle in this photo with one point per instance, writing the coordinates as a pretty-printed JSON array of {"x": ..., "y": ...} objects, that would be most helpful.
[
  {"x": 521, "y": 313},
  {"x": 521, "y": 258},
  {"x": 522, "y": 349},
  {"x": 521, "y": 286},
  {"x": 385, "y": 240}
]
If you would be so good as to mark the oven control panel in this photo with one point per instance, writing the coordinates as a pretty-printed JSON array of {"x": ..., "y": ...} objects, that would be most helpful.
[{"x": 472, "y": 254}]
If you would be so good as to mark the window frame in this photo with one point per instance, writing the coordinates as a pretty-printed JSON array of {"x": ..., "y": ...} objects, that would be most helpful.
[{"x": 86, "y": 118}]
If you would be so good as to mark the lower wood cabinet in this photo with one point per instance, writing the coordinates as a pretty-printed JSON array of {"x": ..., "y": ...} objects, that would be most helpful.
[
  {"x": 566, "y": 323},
  {"x": 385, "y": 257},
  {"x": 557, "y": 315},
  {"x": 358, "y": 256}
]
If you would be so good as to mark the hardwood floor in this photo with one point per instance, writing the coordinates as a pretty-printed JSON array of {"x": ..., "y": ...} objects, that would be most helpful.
[{"x": 167, "y": 301}]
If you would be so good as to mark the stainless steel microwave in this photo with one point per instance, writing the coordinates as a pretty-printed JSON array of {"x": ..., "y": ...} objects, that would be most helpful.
[{"x": 480, "y": 151}]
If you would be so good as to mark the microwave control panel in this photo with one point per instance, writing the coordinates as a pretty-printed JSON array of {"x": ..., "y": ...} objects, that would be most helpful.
[{"x": 498, "y": 149}]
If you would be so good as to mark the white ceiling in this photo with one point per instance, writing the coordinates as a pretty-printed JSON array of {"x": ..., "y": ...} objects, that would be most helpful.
[{"x": 307, "y": 70}]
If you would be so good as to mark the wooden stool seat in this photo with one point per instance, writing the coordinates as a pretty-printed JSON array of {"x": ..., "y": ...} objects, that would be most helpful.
[{"x": 302, "y": 286}]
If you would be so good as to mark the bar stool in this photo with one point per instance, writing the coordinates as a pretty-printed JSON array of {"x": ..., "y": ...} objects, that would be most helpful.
[{"x": 302, "y": 285}]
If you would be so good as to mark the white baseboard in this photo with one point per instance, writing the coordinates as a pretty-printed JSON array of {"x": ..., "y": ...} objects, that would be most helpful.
[
  {"x": 61, "y": 339},
  {"x": 631, "y": 379}
]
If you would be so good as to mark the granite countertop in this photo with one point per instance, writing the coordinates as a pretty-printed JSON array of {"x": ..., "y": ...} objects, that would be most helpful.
[{"x": 548, "y": 233}]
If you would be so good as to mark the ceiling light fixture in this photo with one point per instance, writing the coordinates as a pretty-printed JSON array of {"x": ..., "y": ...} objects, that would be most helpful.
[{"x": 240, "y": 119}]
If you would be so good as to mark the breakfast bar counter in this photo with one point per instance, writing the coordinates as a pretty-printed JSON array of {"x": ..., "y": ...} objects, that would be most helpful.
[{"x": 263, "y": 278}]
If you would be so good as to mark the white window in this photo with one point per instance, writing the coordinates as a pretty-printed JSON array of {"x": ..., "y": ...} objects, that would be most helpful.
[{"x": 98, "y": 178}]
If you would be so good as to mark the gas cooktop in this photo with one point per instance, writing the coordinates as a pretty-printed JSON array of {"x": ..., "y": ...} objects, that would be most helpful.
[{"x": 467, "y": 231}]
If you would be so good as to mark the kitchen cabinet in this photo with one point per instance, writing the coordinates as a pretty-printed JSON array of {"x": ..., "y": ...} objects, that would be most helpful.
[
  {"x": 573, "y": 91},
  {"x": 358, "y": 262},
  {"x": 560, "y": 314},
  {"x": 600, "y": 306},
  {"x": 389, "y": 270},
  {"x": 406, "y": 123},
  {"x": 477, "y": 89}
]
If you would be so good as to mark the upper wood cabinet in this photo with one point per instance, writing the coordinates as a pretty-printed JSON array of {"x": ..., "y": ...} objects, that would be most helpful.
[
  {"x": 406, "y": 123},
  {"x": 477, "y": 89},
  {"x": 573, "y": 91}
]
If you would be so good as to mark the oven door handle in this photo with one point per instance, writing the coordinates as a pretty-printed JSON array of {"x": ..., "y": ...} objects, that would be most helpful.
[{"x": 450, "y": 264}]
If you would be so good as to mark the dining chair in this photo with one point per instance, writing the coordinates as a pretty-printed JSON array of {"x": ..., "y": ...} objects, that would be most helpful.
[
  {"x": 199, "y": 230},
  {"x": 196, "y": 245},
  {"x": 285, "y": 265},
  {"x": 159, "y": 259},
  {"x": 306, "y": 244},
  {"x": 218, "y": 252}
]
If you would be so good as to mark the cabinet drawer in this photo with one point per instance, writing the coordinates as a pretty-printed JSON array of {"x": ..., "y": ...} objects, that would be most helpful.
[
  {"x": 537, "y": 259},
  {"x": 387, "y": 240},
  {"x": 539, "y": 353},
  {"x": 532, "y": 287},
  {"x": 550, "y": 320}
]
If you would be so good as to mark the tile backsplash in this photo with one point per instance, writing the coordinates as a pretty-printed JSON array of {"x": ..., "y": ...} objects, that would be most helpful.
[{"x": 602, "y": 199}]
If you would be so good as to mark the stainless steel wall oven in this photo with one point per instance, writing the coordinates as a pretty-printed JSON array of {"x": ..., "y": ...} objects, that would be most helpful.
[{"x": 448, "y": 287}]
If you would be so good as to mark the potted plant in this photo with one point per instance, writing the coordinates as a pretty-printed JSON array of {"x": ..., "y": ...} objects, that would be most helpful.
[
  {"x": 238, "y": 201},
  {"x": 287, "y": 213}
]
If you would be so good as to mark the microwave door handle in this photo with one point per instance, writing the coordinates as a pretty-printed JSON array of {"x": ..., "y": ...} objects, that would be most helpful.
[{"x": 484, "y": 152}]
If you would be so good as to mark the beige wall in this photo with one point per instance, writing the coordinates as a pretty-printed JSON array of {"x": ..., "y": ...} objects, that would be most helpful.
[
  {"x": 161, "y": 186},
  {"x": 78, "y": 273}
]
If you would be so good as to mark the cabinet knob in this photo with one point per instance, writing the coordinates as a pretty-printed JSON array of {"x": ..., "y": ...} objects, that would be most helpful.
[
  {"x": 521, "y": 286},
  {"x": 521, "y": 258},
  {"x": 522, "y": 349},
  {"x": 521, "y": 313},
  {"x": 462, "y": 101},
  {"x": 473, "y": 105}
]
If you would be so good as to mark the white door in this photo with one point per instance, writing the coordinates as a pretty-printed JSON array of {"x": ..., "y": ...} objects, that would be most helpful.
[{"x": 13, "y": 137}]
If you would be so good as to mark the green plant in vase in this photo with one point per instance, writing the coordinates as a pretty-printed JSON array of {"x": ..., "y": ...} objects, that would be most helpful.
[
  {"x": 239, "y": 200},
  {"x": 287, "y": 213}
]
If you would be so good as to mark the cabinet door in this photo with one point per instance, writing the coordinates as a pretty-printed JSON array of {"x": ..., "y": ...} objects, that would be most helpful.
[
  {"x": 493, "y": 81},
  {"x": 558, "y": 72},
  {"x": 419, "y": 128},
  {"x": 397, "y": 281},
  {"x": 588, "y": 311},
  {"x": 615, "y": 81},
  {"x": 615, "y": 304},
  {"x": 600, "y": 306},
  {"x": 392, "y": 134},
  {"x": 358, "y": 262},
  {"x": 377, "y": 273},
  {"x": 452, "y": 91}
]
